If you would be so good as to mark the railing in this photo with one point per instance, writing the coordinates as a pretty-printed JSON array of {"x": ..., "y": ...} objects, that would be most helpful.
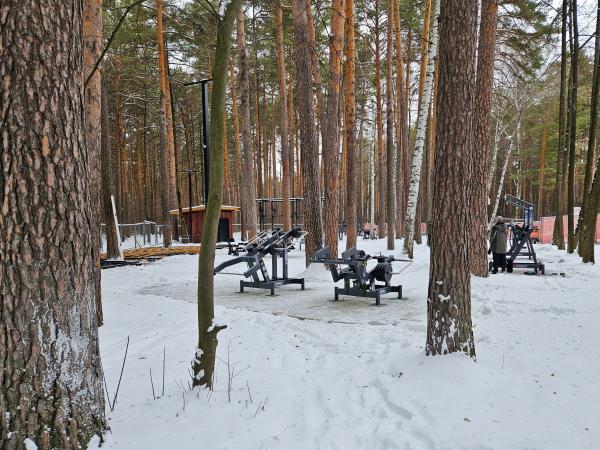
[{"x": 136, "y": 235}]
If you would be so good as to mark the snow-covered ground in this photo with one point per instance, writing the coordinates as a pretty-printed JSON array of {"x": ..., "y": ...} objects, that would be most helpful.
[{"x": 309, "y": 373}]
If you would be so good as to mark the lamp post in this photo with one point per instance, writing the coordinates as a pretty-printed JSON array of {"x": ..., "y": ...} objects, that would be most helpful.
[{"x": 205, "y": 131}]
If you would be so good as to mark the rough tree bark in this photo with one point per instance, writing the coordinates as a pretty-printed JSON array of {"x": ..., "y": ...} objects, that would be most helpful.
[
  {"x": 204, "y": 361},
  {"x": 248, "y": 191},
  {"x": 349, "y": 128},
  {"x": 591, "y": 150},
  {"x": 283, "y": 124},
  {"x": 308, "y": 135},
  {"x": 449, "y": 326},
  {"x": 331, "y": 128},
  {"x": 93, "y": 42},
  {"x": 390, "y": 211},
  {"x": 166, "y": 104},
  {"x": 572, "y": 239},
  {"x": 239, "y": 173},
  {"x": 482, "y": 124},
  {"x": 108, "y": 183},
  {"x": 167, "y": 144},
  {"x": 50, "y": 373},
  {"x": 591, "y": 202},
  {"x": 417, "y": 159},
  {"x": 558, "y": 235},
  {"x": 401, "y": 126},
  {"x": 118, "y": 132},
  {"x": 315, "y": 71},
  {"x": 379, "y": 161}
]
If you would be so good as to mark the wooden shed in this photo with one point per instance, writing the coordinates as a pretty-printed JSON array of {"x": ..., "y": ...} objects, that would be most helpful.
[{"x": 195, "y": 222}]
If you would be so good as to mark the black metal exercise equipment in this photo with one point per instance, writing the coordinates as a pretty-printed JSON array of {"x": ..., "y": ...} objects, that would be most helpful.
[
  {"x": 276, "y": 243},
  {"x": 363, "y": 280},
  {"x": 521, "y": 245}
]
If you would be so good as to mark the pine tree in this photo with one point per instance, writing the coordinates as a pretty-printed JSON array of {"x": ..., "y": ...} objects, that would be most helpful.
[
  {"x": 482, "y": 133},
  {"x": 349, "y": 128},
  {"x": 449, "y": 326},
  {"x": 308, "y": 134},
  {"x": 50, "y": 372},
  {"x": 248, "y": 192}
]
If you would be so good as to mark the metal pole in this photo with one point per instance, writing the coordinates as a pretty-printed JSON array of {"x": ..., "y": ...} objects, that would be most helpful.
[
  {"x": 205, "y": 139},
  {"x": 205, "y": 131},
  {"x": 190, "y": 193}
]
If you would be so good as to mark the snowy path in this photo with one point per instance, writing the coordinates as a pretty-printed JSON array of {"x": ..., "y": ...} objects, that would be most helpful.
[{"x": 356, "y": 376}]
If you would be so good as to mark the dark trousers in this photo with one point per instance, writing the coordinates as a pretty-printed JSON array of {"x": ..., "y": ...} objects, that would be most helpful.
[{"x": 499, "y": 261}]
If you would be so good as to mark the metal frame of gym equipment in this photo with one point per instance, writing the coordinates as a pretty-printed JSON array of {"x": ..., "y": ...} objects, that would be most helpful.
[
  {"x": 277, "y": 243},
  {"x": 521, "y": 245},
  {"x": 363, "y": 280},
  {"x": 262, "y": 202}
]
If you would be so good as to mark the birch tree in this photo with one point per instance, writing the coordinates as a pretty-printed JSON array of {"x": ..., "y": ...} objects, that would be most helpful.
[{"x": 417, "y": 160}]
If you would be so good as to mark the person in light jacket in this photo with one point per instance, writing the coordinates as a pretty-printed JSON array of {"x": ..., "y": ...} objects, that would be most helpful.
[{"x": 498, "y": 241}]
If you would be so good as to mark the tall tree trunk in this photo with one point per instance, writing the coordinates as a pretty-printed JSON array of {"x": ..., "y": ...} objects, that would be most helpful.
[
  {"x": 168, "y": 200},
  {"x": 542, "y": 173},
  {"x": 248, "y": 191},
  {"x": 118, "y": 131},
  {"x": 379, "y": 161},
  {"x": 401, "y": 125},
  {"x": 449, "y": 326},
  {"x": 283, "y": 124},
  {"x": 592, "y": 137},
  {"x": 308, "y": 134},
  {"x": 431, "y": 146},
  {"x": 572, "y": 241},
  {"x": 349, "y": 128},
  {"x": 108, "y": 185},
  {"x": 164, "y": 175},
  {"x": 482, "y": 137},
  {"x": 558, "y": 237},
  {"x": 239, "y": 173},
  {"x": 315, "y": 71},
  {"x": 331, "y": 128},
  {"x": 50, "y": 373},
  {"x": 591, "y": 192},
  {"x": 390, "y": 151},
  {"x": 425, "y": 43},
  {"x": 417, "y": 160},
  {"x": 163, "y": 74},
  {"x": 93, "y": 42},
  {"x": 204, "y": 361},
  {"x": 509, "y": 148}
]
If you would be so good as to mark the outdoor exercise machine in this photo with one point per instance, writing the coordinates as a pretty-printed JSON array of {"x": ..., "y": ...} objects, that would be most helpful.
[
  {"x": 358, "y": 280},
  {"x": 276, "y": 243},
  {"x": 521, "y": 245}
]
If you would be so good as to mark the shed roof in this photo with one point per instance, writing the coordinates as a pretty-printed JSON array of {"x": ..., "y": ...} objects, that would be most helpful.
[{"x": 199, "y": 208}]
